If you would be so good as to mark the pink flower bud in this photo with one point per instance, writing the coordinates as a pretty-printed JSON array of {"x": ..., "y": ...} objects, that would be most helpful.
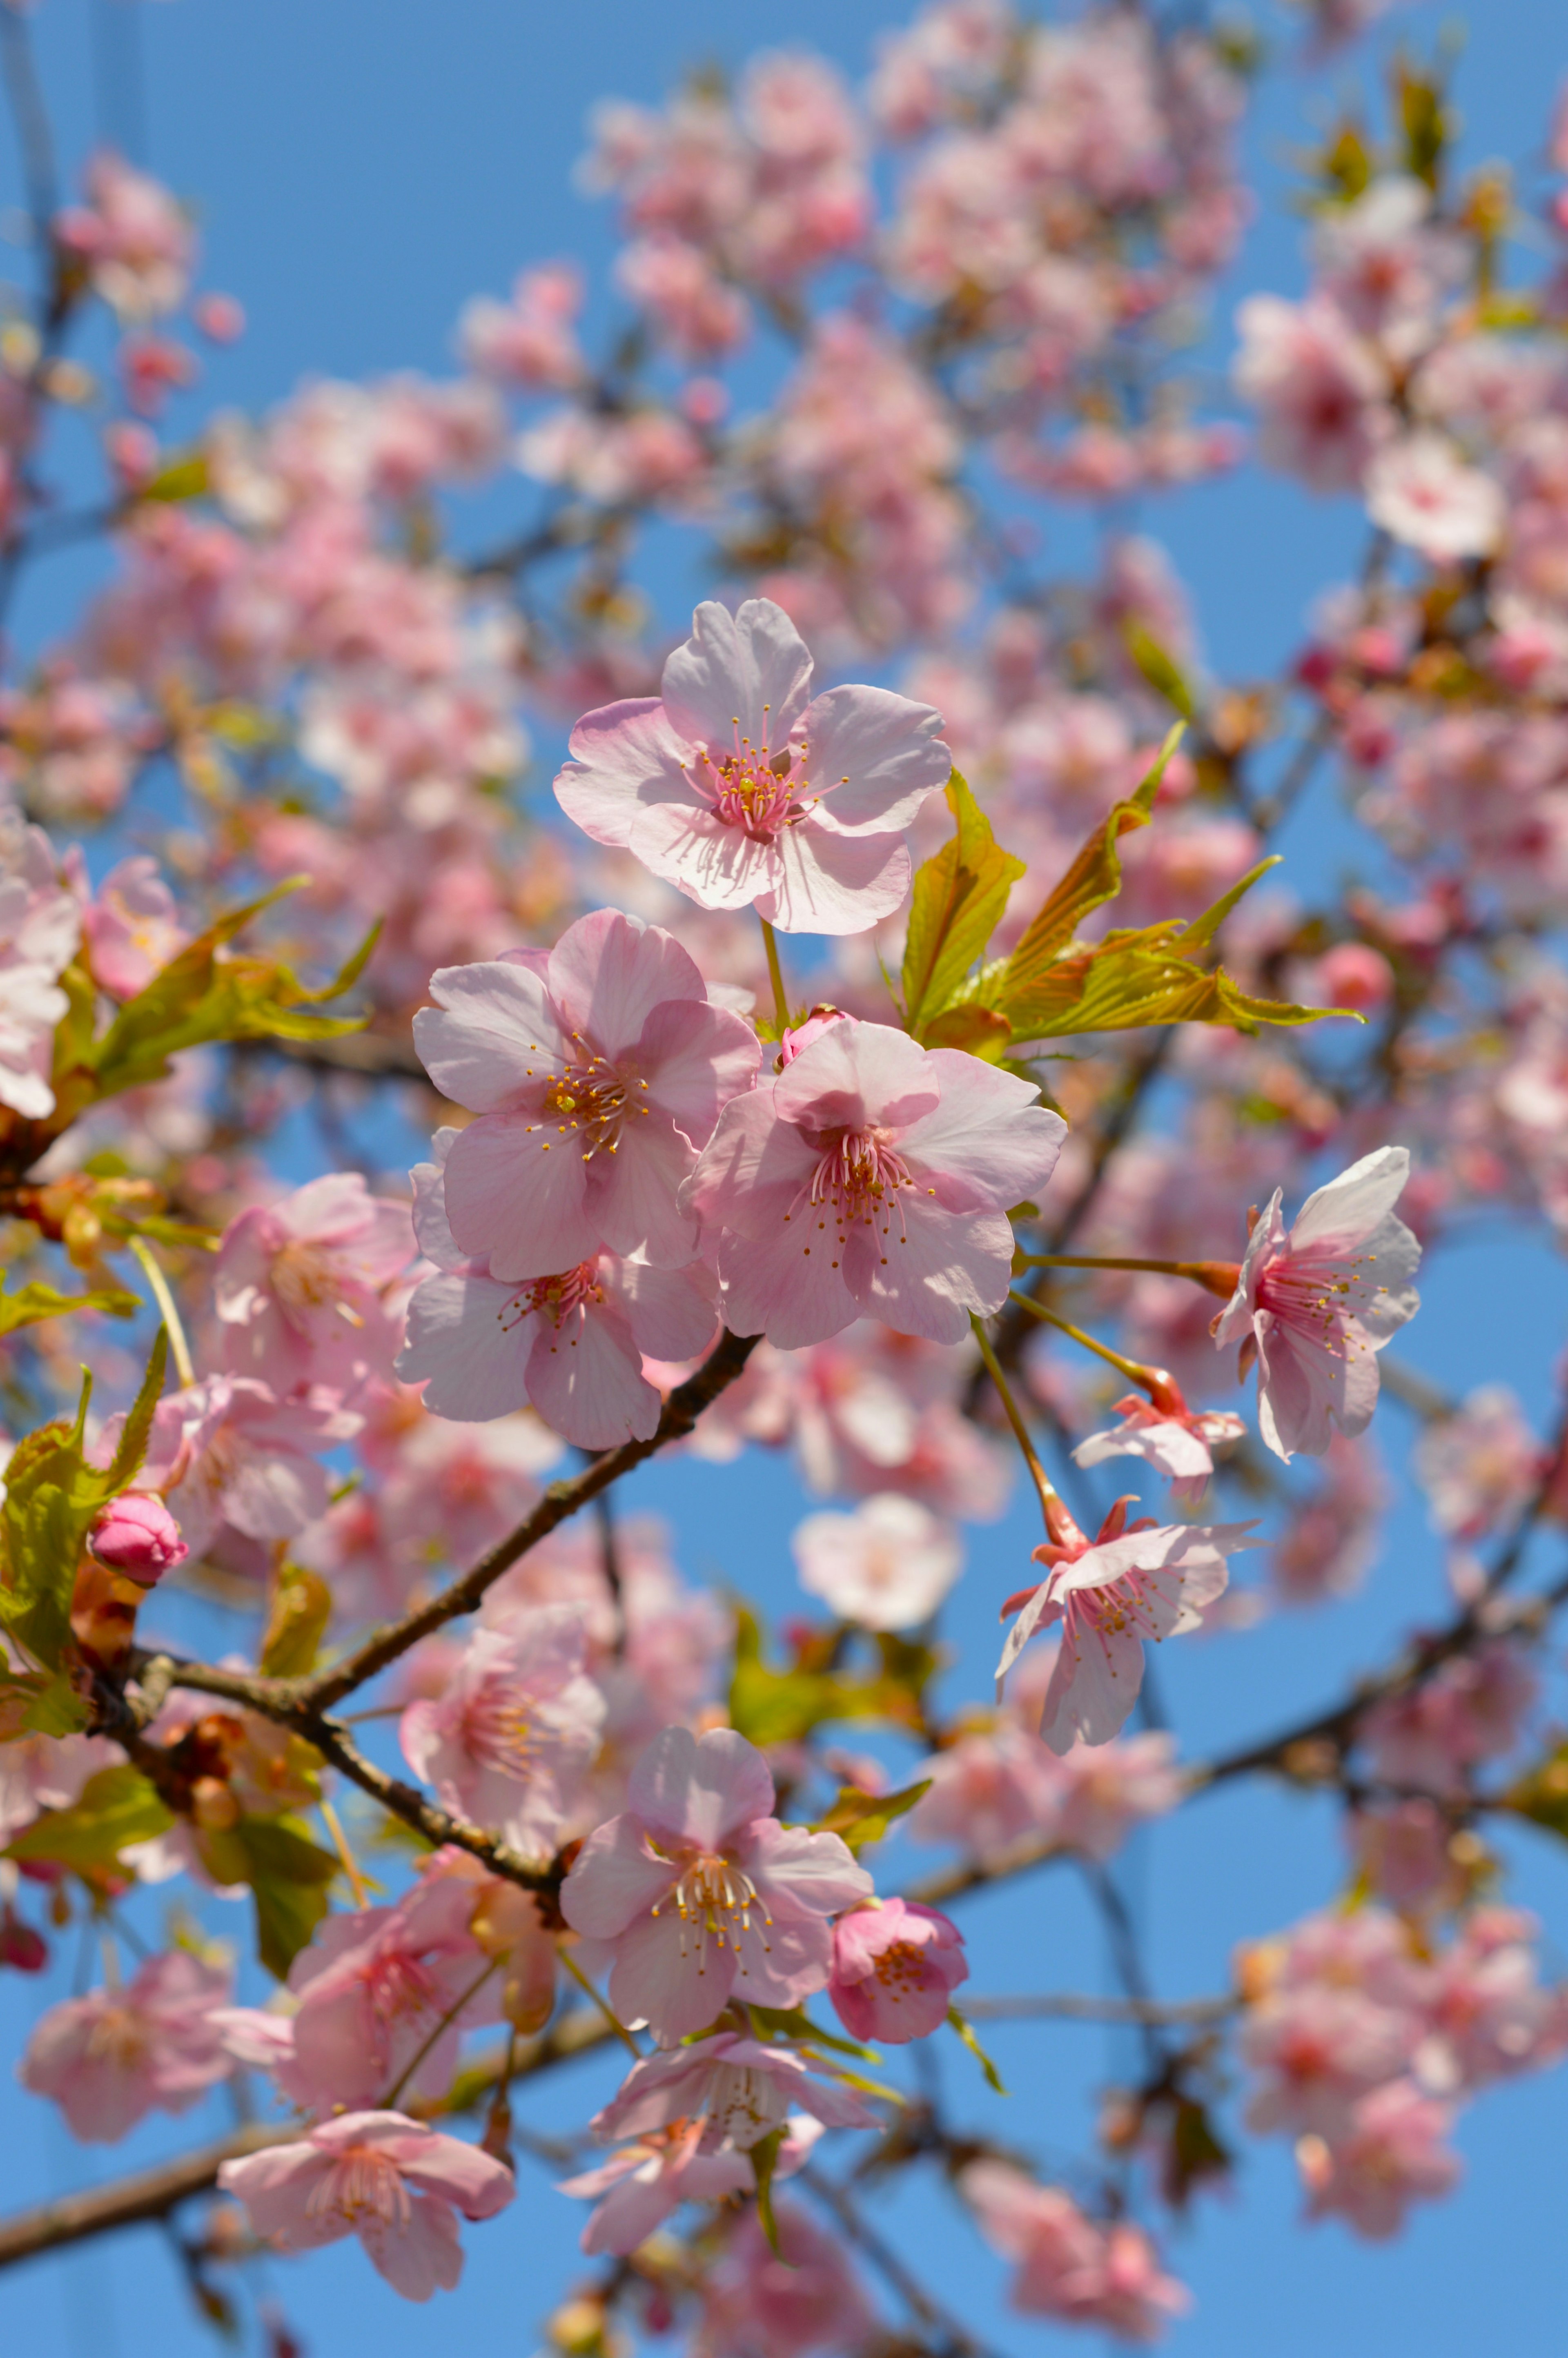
[{"x": 136, "y": 1534}]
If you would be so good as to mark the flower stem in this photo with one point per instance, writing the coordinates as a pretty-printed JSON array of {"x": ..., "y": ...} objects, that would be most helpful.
[
  {"x": 581, "y": 1979},
  {"x": 775, "y": 973},
  {"x": 1219, "y": 1276},
  {"x": 1147, "y": 1377},
  {"x": 1051, "y": 1505},
  {"x": 346, "y": 1858},
  {"x": 183, "y": 1364}
]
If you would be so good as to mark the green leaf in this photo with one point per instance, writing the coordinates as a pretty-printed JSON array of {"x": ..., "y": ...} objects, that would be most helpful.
[
  {"x": 302, "y": 1608},
  {"x": 186, "y": 476},
  {"x": 34, "y": 1300},
  {"x": 1094, "y": 878},
  {"x": 965, "y": 2032},
  {"x": 208, "y": 993},
  {"x": 959, "y": 896},
  {"x": 288, "y": 1876},
  {"x": 116, "y": 1808},
  {"x": 52, "y": 1496},
  {"x": 779, "y": 1706},
  {"x": 794, "y": 2022},
  {"x": 864, "y": 1818},
  {"x": 1541, "y": 1795},
  {"x": 1159, "y": 667}
]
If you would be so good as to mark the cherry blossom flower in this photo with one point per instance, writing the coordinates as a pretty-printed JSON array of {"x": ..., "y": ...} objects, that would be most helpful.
[
  {"x": 803, "y": 2297},
  {"x": 1144, "y": 1582},
  {"x": 227, "y": 1452},
  {"x": 1106, "y": 1789},
  {"x": 1392, "y": 2154},
  {"x": 1471, "y": 1709},
  {"x": 395, "y": 2183},
  {"x": 509, "y": 1740},
  {"x": 1487, "y": 2014},
  {"x": 300, "y": 1286},
  {"x": 1070, "y": 2266},
  {"x": 109, "y": 2058},
  {"x": 732, "y": 2091},
  {"x": 1316, "y": 1304},
  {"x": 572, "y": 1344},
  {"x": 871, "y": 1174},
  {"x": 1421, "y": 491},
  {"x": 895, "y": 1967},
  {"x": 697, "y": 1886},
  {"x": 134, "y": 234},
  {"x": 887, "y": 1565},
  {"x": 133, "y": 928},
  {"x": 1167, "y": 1435},
  {"x": 1480, "y": 1466},
  {"x": 738, "y": 787},
  {"x": 596, "y": 1074},
  {"x": 1322, "y": 390},
  {"x": 641, "y": 2184},
  {"x": 373, "y": 1986},
  {"x": 40, "y": 924}
]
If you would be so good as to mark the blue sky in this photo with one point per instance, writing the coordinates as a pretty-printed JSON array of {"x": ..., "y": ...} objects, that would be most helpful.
[{"x": 360, "y": 167}]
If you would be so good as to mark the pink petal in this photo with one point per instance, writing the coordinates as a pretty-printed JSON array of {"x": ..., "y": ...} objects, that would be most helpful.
[
  {"x": 607, "y": 973},
  {"x": 694, "y": 1060},
  {"x": 468, "y": 1343},
  {"x": 672, "y": 1311},
  {"x": 632, "y": 1195},
  {"x": 855, "y": 1075},
  {"x": 749, "y": 671},
  {"x": 625, "y": 756},
  {"x": 420, "y": 2255},
  {"x": 698, "y": 1790},
  {"x": 715, "y": 864},
  {"x": 459, "y": 2173},
  {"x": 990, "y": 1143},
  {"x": 793, "y": 1869},
  {"x": 1343, "y": 1214},
  {"x": 789, "y": 1287},
  {"x": 658, "y": 1978},
  {"x": 490, "y": 1032},
  {"x": 614, "y": 1878},
  {"x": 514, "y": 1194},
  {"x": 926, "y": 1270},
  {"x": 584, "y": 1377},
  {"x": 875, "y": 755},
  {"x": 826, "y": 883}
]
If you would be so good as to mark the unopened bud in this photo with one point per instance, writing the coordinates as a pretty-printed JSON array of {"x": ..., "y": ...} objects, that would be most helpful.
[{"x": 137, "y": 1535}]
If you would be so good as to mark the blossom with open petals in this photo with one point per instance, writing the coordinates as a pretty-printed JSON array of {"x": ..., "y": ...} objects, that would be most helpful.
[
  {"x": 700, "y": 1890},
  {"x": 887, "y": 1564},
  {"x": 596, "y": 1072},
  {"x": 871, "y": 1175},
  {"x": 895, "y": 1968},
  {"x": 393, "y": 2183},
  {"x": 571, "y": 1345},
  {"x": 112, "y": 2057},
  {"x": 1316, "y": 1304},
  {"x": 512, "y": 1737},
  {"x": 1138, "y": 1581},
  {"x": 737, "y": 787},
  {"x": 1168, "y": 1435},
  {"x": 298, "y": 1285}
]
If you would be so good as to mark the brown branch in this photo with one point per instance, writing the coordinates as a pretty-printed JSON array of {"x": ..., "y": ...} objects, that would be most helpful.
[{"x": 154, "y": 2194}]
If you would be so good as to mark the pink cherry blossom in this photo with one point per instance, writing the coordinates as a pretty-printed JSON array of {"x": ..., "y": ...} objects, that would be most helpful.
[
  {"x": 1167, "y": 1435},
  {"x": 698, "y": 1887},
  {"x": 1322, "y": 389},
  {"x": 895, "y": 1967},
  {"x": 1149, "y": 1581},
  {"x": 395, "y": 2183},
  {"x": 375, "y": 1985},
  {"x": 135, "y": 235},
  {"x": 300, "y": 1286},
  {"x": 1070, "y": 2266},
  {"x": 512, "y": 1737},
  {"x": 1420, "y": 490},
  {"x": 802, "y": 2299},
  {"x": 571, "y": 1345},
  {"x": 1316, "y": 1304},
  {"x": 109, "y": 2058},
  {"x": 133, "y": 928},
  {"x": 229, "y": 1454},
  {"x": 596, "y": 1074},
  {"x": 1391, "y": 2153},
  {"x": 136, "y": 1534},
  {"x": 733, "y": 2090},
  {"x": 871, "y": 1174},
  {"x": 887, "y": 1565},
  {"x": 1479, "y": 1467},
  {"x": 1487, "y": 2013},
  {"x": 738, "y": 787},
  {"x": 41, "y": 926},
  {"x": 1108, "y": 1790},
  {"x": 1471, "y": 1709},
  {"x": 642, "y": 2183},
  {"x": 530, "y": 341}
]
